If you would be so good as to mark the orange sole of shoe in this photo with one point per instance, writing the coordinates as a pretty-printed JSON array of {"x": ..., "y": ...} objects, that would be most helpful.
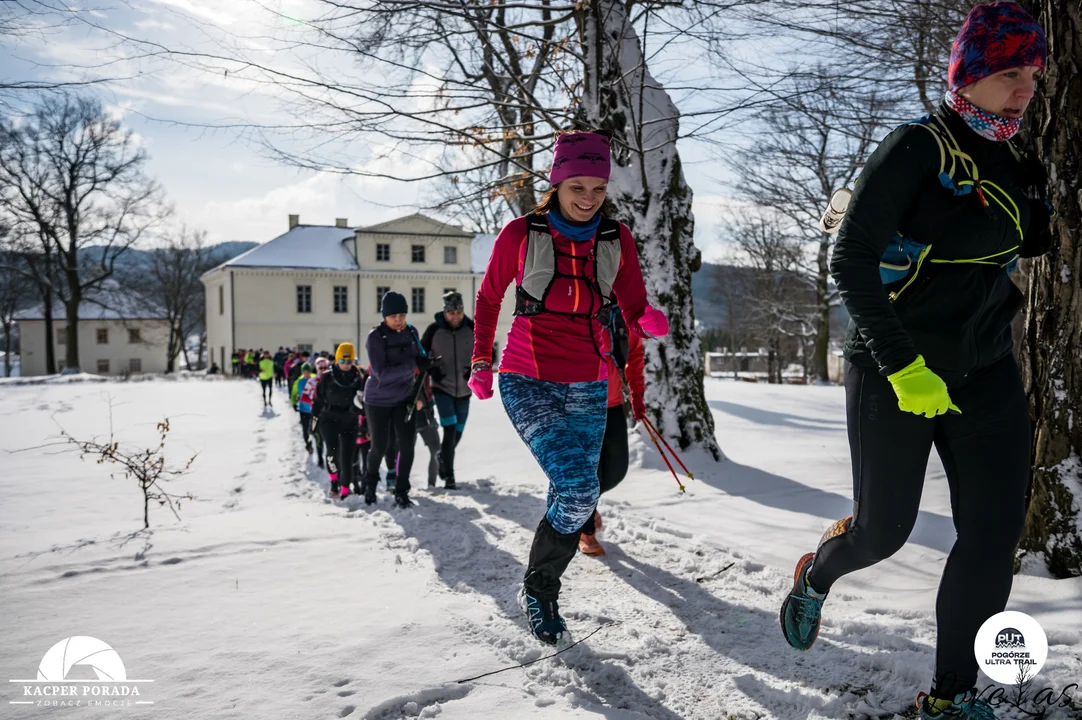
[
  {"x": 592, "y": 551},
  {"x": 801, "y": 565}
]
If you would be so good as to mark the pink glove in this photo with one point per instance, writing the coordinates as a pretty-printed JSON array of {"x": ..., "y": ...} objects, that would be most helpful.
[
  {"x": 481, "y": 384},
  {"x": 654, "y": 323}
]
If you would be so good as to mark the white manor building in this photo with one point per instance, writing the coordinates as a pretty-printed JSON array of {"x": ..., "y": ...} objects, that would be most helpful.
[{"x": 317, "y": 286}]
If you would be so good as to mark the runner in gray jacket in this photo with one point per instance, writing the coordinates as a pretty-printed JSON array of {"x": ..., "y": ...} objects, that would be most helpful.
[{"x": 450, "y": 338}]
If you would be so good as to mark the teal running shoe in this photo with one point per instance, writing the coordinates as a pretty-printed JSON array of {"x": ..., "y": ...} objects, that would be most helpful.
[{"x": 802, "y": 607}]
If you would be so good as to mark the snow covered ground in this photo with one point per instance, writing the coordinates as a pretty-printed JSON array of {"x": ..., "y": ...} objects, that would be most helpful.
[{"x": 266, "y": 600}]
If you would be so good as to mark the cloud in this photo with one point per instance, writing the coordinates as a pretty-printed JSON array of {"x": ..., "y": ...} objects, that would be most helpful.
[
  {"x": 201, "y": 8},
  {"x": 318, "y": 198},
  {"x": 154, "y": 25}
]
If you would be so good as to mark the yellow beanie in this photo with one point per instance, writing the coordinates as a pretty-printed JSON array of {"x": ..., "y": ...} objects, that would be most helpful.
[{"x": 345, "y": 351}]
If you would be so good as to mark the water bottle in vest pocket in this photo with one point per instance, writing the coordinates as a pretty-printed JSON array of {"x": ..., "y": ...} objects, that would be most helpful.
[{"x": 899, "y": 258}]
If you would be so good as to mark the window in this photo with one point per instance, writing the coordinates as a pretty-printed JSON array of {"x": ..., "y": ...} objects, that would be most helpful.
[
  {"x": 383, "y": 252},
  {"x": 103, "y": 366},
  {"x": 450, "y": 255},
  {"x": 135, "y": 335},
  {"x": 135, "y": 365},
  {"x": 417, "y": 253},
  {"x": 341, "y": 299},
  {"x": 304, "y": 347},
  {"x": 304, "y": 298},
  {"x": 103, "y": 336},
  {"x": 61, "y": 336},
  {"x": 380, "y": 292},
  {"x": 418, "y": 300},
  {"x": 221, "y": 299}
]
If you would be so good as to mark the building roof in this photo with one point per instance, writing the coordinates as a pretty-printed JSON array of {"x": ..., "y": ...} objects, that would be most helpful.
[
  {"x": 323, "y": 247},
  {"x": 304, "y": 246},
  {"x": 416, "y": 224}
]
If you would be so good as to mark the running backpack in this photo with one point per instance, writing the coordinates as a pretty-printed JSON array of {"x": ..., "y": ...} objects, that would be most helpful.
[
  {"x": 540, "y": 269},
  {"x": 905, "y": 257}
]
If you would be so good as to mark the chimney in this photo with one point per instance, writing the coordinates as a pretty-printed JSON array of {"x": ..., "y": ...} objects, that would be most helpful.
[
  {"x": 341, "y": 222},
  {"x": 294, "y": 221}
]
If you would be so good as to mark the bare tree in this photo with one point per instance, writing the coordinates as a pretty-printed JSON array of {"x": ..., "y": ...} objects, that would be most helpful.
[
  {"x": 899, "y": 47},
  {"x": 16, "y": 293},
  {"x": 75, "y": 176},
  {"x": 1051, "y": 364},
  {"x": 813, "y": 141},
  {"x": 778, "y": 302},
  {"x": 41, "y": 22},
  {"x": 475, "y": 201},
  {"x": 169, "y": 283},
  {"x": 25, "y": 255}
]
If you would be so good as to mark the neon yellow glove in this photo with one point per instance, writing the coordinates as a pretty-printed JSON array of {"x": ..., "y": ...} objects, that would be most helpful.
[{"x": 921, "y": 391}]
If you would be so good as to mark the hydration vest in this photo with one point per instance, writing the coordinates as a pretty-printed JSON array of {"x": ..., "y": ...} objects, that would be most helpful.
[
  {"x": 540, "y": 269},
  {"x": 904, "y": 257}
]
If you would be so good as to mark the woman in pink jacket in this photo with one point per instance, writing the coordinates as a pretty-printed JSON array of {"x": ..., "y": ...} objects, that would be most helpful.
[{"x": 566, "y": 259}]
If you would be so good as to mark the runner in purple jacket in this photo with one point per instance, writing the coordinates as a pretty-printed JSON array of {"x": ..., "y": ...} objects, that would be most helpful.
[{"x": 395, "y": 359}]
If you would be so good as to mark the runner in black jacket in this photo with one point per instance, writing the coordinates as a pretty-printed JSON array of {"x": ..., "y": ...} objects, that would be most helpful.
[{"x": 922, "y": 261}]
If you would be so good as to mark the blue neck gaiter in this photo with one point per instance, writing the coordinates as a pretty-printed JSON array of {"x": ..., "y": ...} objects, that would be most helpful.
[{"x": 574, "y": 231}]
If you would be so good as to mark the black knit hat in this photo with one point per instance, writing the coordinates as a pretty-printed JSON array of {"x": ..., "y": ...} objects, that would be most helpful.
[
  {"x": 452, "y": 301},
  {"x": 394, "y": 304}
]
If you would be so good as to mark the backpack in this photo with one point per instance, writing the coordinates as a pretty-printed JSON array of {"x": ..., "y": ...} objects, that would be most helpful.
[{"x": 540, "y": 269}]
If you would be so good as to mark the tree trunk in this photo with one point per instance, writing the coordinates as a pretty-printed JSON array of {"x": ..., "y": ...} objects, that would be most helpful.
[
  {"x": 822, "y": 304},
  {"x": 1051, "y": 365},
  {"x": 71, "y": 311},
  {"x": 171, "y": 349},
  {"x": 200, "y": 362},
  {"x": 7, "y": 349},
  {"x": 648, "y": 191},
  {"x": 50, "y": 334}
]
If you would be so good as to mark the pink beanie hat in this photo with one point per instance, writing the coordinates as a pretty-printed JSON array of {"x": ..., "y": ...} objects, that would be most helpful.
[{"x": 578, "y": 154}]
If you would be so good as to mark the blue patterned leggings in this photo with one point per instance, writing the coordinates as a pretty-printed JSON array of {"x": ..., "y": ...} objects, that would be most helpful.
[{"x": 563, "y": 425}]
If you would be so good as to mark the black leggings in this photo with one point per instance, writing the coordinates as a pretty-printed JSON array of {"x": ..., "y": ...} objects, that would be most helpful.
[
  {"x": 340, "y": 435},
  {"x": 267, "y": 388},
  {"x": 382, "y": 422},
  {"x": 612, "y": 468},
  {"x": 985, "y": 452}
]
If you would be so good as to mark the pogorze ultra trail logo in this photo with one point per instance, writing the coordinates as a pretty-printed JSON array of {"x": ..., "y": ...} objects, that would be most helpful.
[
  {"x": 59, "y": 682},
  {"x": 1011, "y": 647}
]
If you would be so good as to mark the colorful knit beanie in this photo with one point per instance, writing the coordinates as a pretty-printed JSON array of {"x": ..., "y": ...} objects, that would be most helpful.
[
  {"x": 580, "y": 154},
  {"x": 995, "y": 37}
]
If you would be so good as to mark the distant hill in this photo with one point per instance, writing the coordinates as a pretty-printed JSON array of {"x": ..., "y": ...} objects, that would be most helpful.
[
  {"x": 135, "y": 257},
  {"x": 714, "y": 284}
]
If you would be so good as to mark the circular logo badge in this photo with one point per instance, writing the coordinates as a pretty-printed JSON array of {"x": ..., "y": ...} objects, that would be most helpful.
[
  {"x": 81, "y": 650},
  {"x": 1011, "y": 647}
]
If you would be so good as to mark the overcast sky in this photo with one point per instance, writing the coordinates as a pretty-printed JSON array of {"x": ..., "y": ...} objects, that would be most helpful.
[{"x": 219, "y": 180}]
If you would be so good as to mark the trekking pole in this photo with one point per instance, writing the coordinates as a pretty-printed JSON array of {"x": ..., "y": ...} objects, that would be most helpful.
[
  {"x": 675, "y": 456},
  {"x": 663, "y": 456}
]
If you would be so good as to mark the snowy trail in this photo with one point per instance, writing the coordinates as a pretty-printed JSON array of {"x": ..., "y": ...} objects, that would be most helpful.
[
  {"x": 681, "y": 637},
  {"x": 270, "y": 600}
]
